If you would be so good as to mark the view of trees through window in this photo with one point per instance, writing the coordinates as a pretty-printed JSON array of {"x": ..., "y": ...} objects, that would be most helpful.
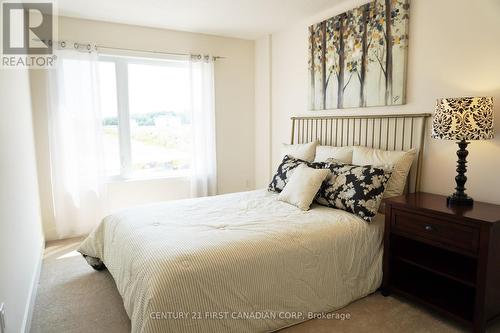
[{"x": 157, "y": 140}]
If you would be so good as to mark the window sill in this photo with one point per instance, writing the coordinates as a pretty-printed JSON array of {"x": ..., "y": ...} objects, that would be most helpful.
[{"x": 164, "y": 176}]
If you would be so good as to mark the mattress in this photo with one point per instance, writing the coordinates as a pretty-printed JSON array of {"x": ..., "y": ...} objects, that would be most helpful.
[{"x": 242, "y": 262}]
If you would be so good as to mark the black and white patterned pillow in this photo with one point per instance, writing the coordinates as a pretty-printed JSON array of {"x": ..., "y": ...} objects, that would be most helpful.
[
  {"x": 355, "y": 189},
  {"x": 285, "y": 171}
]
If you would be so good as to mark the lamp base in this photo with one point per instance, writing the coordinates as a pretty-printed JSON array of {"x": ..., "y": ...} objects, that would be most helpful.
[{"x": 459, "y": 200}]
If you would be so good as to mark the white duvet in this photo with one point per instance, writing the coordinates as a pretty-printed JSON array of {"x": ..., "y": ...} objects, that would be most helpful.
[{"x": 242, "y": 262}]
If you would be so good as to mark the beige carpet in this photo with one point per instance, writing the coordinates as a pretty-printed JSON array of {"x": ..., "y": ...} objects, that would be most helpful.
[{"x": 72, "y": 297}]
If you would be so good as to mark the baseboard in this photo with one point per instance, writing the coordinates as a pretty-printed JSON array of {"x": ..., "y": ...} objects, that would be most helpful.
[{"x": 28, "y": 312}]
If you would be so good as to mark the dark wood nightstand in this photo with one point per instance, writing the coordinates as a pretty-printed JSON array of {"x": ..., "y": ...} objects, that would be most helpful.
[{"x": 447, "y": 258}]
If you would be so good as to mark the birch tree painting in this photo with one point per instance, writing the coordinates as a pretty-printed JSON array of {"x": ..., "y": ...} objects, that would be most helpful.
[{"x": 358, "y": 58}]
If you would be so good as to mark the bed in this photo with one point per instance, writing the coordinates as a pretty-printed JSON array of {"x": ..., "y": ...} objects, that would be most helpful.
[{"x": 246, "y": 262}]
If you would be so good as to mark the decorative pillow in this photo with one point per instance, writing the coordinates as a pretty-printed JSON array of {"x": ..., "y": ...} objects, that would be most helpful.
[
  {"x": 353, "y": 188},
  {"x": 303, "y": 151},
  {"x": 399, "y": 161},
  {"x": 286, "y": 169},
  {"x": 303, "y": 186},
  {"x": 343, "y": 154}
]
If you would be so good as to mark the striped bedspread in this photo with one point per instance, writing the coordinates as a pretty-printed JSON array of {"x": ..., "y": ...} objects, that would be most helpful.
[{"x": 242, "y": 262}]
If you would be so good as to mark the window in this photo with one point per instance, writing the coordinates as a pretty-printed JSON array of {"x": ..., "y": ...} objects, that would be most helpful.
[{"x": 145, "y": 107}]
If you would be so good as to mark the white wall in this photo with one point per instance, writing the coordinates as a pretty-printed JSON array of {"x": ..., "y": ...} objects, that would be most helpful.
[
  {"x": 454, "y": 51},
  {"x": 263, "y": 110},
  {"x": 234, "y": 92},
  {"x": 21, "y": 240},
  {"x": 136, "y": 192}
]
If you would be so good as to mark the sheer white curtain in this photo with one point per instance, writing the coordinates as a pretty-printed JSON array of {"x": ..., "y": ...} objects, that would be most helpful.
[
  {"x": 77, "y": 167},
  {"x": 203, "y": 164}
]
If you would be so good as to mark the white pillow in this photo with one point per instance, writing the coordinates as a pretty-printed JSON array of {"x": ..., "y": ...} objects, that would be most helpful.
[
  {"x": 303, "y": 151},
  {"x": 342, "y": 154},
  {"x": 303, "y": 186},
  {"x": 399, "y": 161}
]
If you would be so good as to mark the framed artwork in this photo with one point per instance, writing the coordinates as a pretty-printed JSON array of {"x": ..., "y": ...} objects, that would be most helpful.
[{"x": 358, "y": 58}]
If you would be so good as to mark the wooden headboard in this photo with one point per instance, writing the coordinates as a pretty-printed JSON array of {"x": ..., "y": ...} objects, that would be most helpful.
[{"x": 388, "y": 132}]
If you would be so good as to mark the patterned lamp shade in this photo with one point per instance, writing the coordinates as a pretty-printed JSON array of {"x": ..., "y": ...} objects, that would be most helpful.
[{"x": 463, "y": 118}]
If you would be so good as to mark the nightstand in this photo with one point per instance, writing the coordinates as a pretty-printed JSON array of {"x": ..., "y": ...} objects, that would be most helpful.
[{"x": 447, "y": 258}]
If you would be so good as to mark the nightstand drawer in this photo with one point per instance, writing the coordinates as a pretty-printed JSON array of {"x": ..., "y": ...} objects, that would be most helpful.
[{"x": 433, "y": 230}]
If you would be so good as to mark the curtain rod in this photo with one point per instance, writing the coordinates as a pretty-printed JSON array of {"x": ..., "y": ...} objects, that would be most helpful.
[
  {"x": 97, "y": 46},
  {"x": 151, "y": 51}
]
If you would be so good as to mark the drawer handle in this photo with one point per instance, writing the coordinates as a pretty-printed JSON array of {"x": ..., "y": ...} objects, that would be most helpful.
[{"x": 429, "y": 227}]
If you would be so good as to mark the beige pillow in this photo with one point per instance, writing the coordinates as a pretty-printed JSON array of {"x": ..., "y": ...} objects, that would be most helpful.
[
  {"x": 303, "y": 186},
  {"x": 399, "y": 161},
  {"x": 303, "y": 151},
  {"x": 342, "y": 154}
]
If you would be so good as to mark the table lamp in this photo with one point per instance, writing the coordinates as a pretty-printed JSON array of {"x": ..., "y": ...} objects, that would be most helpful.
[{"x": 462, "y": 119}]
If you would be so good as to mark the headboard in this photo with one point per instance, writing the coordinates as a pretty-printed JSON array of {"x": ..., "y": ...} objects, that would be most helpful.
[{"x": 388, "y": 132}]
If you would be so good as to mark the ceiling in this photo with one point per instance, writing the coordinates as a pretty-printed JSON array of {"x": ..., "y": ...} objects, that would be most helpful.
[{"x": 247, "y": 19}]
